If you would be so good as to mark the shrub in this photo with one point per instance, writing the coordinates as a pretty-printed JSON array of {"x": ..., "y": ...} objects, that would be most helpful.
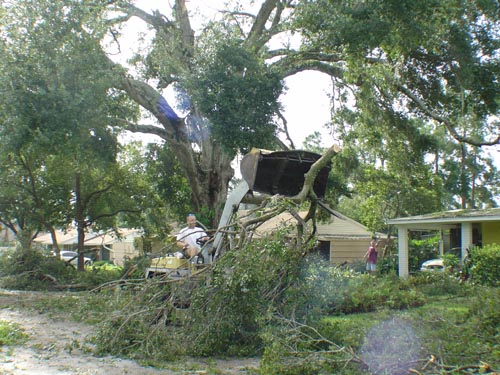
[
  {"x": 31, "y": 270},
  {"x": 485, "y": 265},
  {"x": 434, "y": 284},
  {"x": 365, "y": 294},
  {"x": 96, "y": 275}
]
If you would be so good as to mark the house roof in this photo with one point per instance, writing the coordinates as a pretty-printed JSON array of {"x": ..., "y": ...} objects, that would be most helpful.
[
  {"x": 70, "y": 237},
  {"x": 341, "y": 227},
  {"x": 450, "y": 217}
]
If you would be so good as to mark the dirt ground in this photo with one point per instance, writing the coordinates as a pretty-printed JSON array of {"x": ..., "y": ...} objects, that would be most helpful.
[{"x": 55, "y": 347}]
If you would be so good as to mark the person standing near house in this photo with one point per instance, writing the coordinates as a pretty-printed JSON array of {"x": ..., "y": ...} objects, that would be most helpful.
[
  {"x": 371, "y": 257},
  {"x": 186, "y": 239}
]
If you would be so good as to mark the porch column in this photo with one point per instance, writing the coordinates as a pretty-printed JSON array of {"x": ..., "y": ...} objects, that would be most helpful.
[
  {"x": 403, "y": 251},
  {"x": 466, "y": 238},
  {"x": 441, "y": 242}
]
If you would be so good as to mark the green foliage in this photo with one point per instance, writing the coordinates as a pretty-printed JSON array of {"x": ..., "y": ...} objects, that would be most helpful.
[
  {"x": 319, "y": 289},
  {"x": 422, "y": 250},
  {"x": 345, "y": 330},
  {"x": 396, "y": 77},
  {"x": 381, "y": 193},
  {"x": 486, "y": 314},
  {"x": 237, "y": 92},
  {"x": 461, "y": 331},
  {"x": 485, "y": 265},
  {"x": 458, "y": 324},
  {"x": 145, "y": 324},
  {"x": 27, "y": 270},
  {"x": 449, "y": 327},
  {"x": 11, "y": 334},
  {"x": 254, "y": 281},
  {"x": 451, "y": 261},
  {"x": 135, "y": 267},
  {"x": 366, "y": 294},
  {"x": 35, "y": 270},
  {"x": 60, "y": 121},
  {"x": 164, "y": 173},
  {"x": 97, "y": 275},
  {"x": 438, "y": 284}
]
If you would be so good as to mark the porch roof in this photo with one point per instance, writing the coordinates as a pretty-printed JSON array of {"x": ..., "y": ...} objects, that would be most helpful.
[{"x": 451, "y": 218}]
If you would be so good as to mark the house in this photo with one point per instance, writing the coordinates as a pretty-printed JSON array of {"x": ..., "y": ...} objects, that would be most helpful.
[
  {"x": 341, "y": 240},
  {"x": 100, "y": 245},
  {"x": 458, "y": 228}
]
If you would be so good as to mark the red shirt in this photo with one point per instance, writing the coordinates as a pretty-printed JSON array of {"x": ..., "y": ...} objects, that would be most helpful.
[{"x": 372, "y": 255}]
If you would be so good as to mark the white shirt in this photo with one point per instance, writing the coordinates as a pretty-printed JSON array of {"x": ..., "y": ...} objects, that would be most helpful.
[{"x": 190, "y": 235}]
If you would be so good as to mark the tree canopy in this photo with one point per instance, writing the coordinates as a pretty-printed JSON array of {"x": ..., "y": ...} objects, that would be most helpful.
[{"x": 409, "y": 80}]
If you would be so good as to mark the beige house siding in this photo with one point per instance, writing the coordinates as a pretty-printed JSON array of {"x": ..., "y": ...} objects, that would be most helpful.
[
  {"x": 345, "y": 250},
  {"x": 100, "y": 245},
  {"x": 349, "y": 240},
  {"x": 121, "y": 251}
]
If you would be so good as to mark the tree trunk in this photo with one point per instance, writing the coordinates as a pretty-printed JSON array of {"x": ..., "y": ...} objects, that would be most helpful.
[
  {"x": 80, "y": 221},
  {"x": 53, "y": 236},
  {"x": 214, "y": 174},
  {"x": 208, "y": 169}
]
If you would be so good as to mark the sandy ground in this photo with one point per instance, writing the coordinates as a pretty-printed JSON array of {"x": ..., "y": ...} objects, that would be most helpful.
[{"x": 56, "y": 347}]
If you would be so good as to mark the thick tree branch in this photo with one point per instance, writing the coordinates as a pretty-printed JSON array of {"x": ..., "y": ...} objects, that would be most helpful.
[
  {"x": 156, "y": 20},
  {"x": 449, "y": 126},
  {"x": 96, "y": 193},
  {"x": 187, "y": 33},
  {"x": 174, "y": 129},
  {"x": 112, "y": 214},
  {"x": 148, "y": 98},
  {"x": 258, "y": 29},
  {"x": 9, "y": 225},
  {"x": 146, "y": 129},
  {"x": 304, "y": 55},
  {"x": 310, "y": 176},
  {"x": 287, "y": 67}
]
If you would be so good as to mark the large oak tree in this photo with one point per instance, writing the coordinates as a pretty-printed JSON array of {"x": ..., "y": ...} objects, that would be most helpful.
[{"x": 399, "y": 60}]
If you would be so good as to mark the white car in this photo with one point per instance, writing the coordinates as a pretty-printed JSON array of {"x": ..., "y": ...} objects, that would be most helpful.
[
  {"x": 72, "y": 257},
  {"x": 433, "y": 265}
]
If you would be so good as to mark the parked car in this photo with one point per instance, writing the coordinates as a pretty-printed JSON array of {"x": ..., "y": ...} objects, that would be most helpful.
[
  {"x": 452, "y": 257},
  {"x": 72, "y": 257},
  {"x": 433, "y": 265}
]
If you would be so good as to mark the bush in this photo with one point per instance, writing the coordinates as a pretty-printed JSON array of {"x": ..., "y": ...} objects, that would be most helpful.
[
  {"x": 31, "y": 270},
  {"x": 433, "y": 284},
  {"x": 366, "y": 293},
  {"x": 485, "y": 265},
  {"x": 223, "y": 314}
]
